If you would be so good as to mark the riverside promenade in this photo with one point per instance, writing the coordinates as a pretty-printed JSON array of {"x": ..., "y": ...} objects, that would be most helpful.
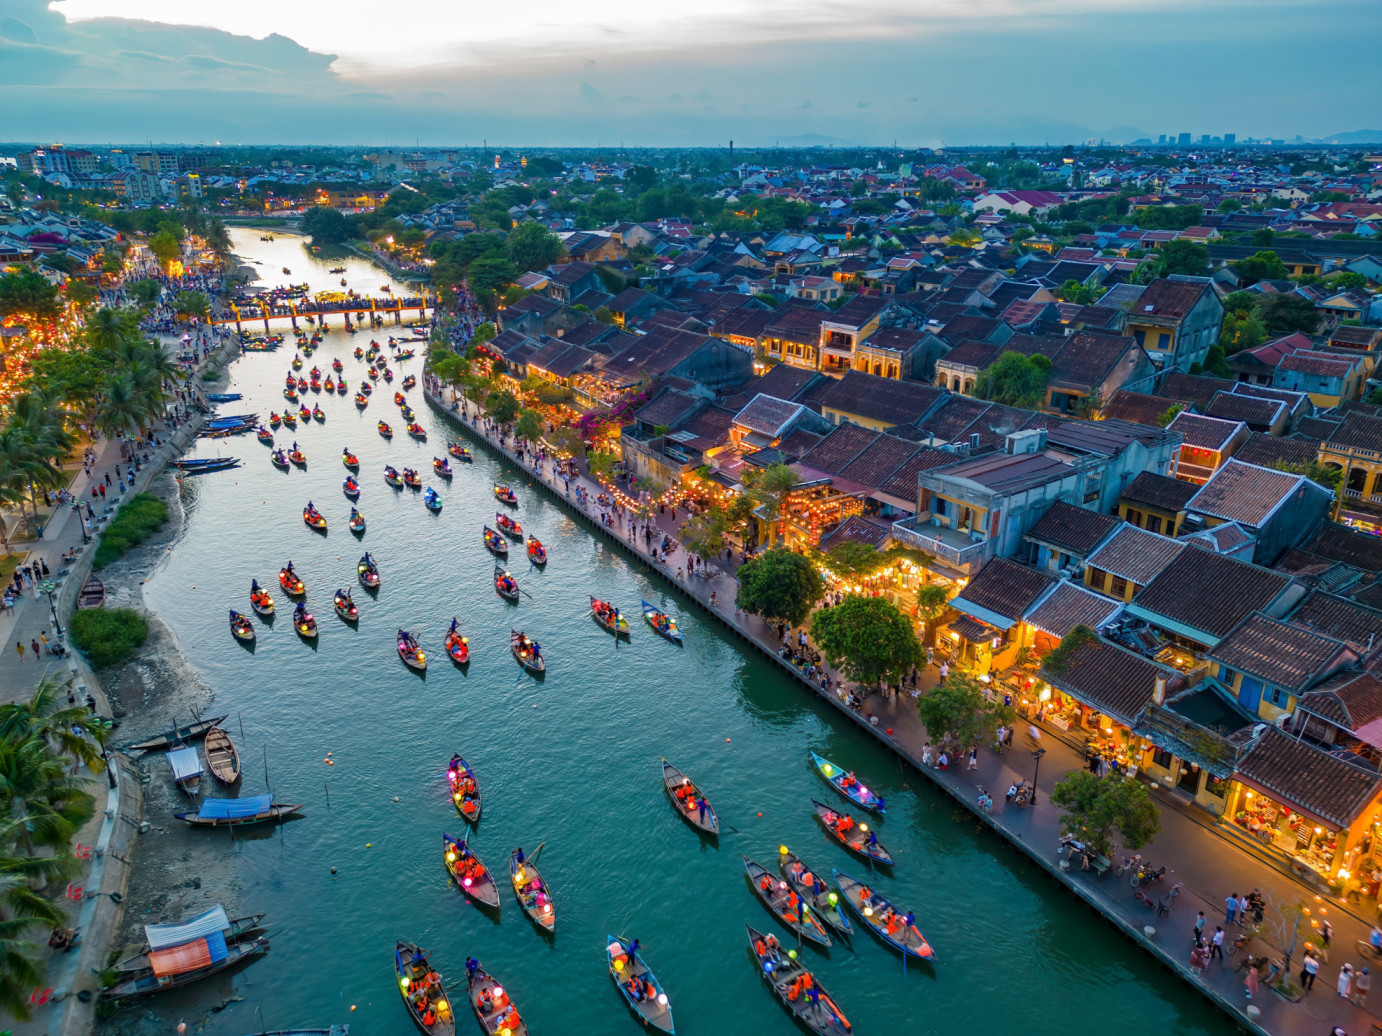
[{"x": 1209, "y": 866}]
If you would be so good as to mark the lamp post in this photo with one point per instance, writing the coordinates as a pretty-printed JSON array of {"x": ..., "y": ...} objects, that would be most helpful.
[
  {"x": 47, "y": 586},
  {"x": 1036, "y": 755}
]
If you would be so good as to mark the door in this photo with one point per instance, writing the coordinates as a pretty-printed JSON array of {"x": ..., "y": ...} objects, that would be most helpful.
[{"x": 1250, "y": 693}]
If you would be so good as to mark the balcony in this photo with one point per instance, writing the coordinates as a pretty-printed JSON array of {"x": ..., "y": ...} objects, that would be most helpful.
[{"x": 952, "y": 546}]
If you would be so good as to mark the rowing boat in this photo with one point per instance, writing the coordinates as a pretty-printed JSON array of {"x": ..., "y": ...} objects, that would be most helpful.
[
  {"x": 457, "y": 645},
  {"x": 423, "y": 991},
  {"x": 465, "y": 789},
  {"x": 392, "y": 477},
  {"x": 314, "y": 518},
  {"x": 527, "y": 651},
  {"x": 411, "y": 652},
  {"x": 260, "y": 599},
  {"x": 297, "y": 457},
  {"x": 537, "y": 553},
  {"x": 470, "y": 875},
  {"x": 357, "y": 521},
  {"x": 350, "y": 460},
  {"x": 459, "y": 452},
  {"x": 532, "y": 892},
  {"x": 344, "y": 606},
  {"x": 442, "y": 467},
  {"x": 854, "y": 837},
  {"x": 241, "y": 812},
  {"x": 304, "y": 622},
  {"x": 506, "y": 494},
  {"x": 368, "y": 572},
  {"x": 279, "y": 459},
  {"x": 690, "y": 802},
  {"x": 264, "y": 435},
  {"x": 508, "y": 526},
  {"x": 609, "y": 617},
  {"x": 411, "y": 478},
  {"x": 848, "y": 785},
  {"x": 492, "y": 1005},
  {"x": 221, "y": 757},
  {"x": 661, "y": 622},
  {"x": 880, "y": 917},
  {"x": 288, "y": 579},
  {"x": 641, "y": 989},
  {"x": 787, "y": 906},
  {"x": 796, "y": 986},
  {"x": 496, "y": 543},
  {"x": 188, "y": 733},
  {"x": 505, "y": 585},
  {"x": 241, "y": 626},
  {"x": 92, "y": 594},
  {"x": 817, "y": 894},
  {"x": 431, "y": 500},
  {"x": 361, "y": 400},
  {"x": 385, "y": 430}
]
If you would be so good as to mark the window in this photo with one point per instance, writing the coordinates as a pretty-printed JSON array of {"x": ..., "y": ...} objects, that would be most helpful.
[
  {"x": 1134, "y": 517},
  {"x": 1162, "y": 758},
  {"x": 1119, "y": 587},
  {"x": 1277, "y": 697},
  {"x": 1153, "y": 523},
  {"x": 1097, "y": 577},
  {"x": 1216, "y": 786}
]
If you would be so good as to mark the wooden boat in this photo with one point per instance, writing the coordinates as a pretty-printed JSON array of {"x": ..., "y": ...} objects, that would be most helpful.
[
  {"x": 789, "y": 908},
  {"x": 318, "y": 414},
  {"x": 638, "y": 985},
  {"x": 814, "y": 1008},
  {"x": 274, "y": 419},
  {"x": 366, "y": 389},
  {"x": 222, "y": 397},
  {"x": 288, "y": 579},
  {"x": 188, "y": 733},
  {"x": 661, "y": 622},
  {"x": 187, "y": 769},
  {"x": 392, "y": 477},
  {"x": 304, "y": 622},
  {"x": 385, "y": 430},
  {"x": 241, "y": 626},
  {"x": 417, "y": 432},
  {"x": 854, "y": 837},
  {"x": 537, "y": 553},
  {"x": 202, "y": 467},
  {"x": 297, "y": 457},
  {"x": 884, "y": 920},
  {"x": 368, "y": 572},
  {"x": 508, "y": 526},
  {"x": 459, "y": 452},
  {"x": 527, "y": 651},
  {"x": 506, "y": 494},
  {"x": 341, "y": 389},
  {"x": 350, "y": 487},
  {"x": 291, "y": 394},
  {"x": 313, "y": 518},
  {"x": 817, "y": 894},
  {"x": 149, "y": 981},
  {"x": 264, "y": 435},
  {"x": 431, "y": 500},
  {"x": 442, "y": 467},
  {"x": 260, "y": 599},
  {"x": 92, "y": 594},
  {"x": 357, "y": 521},
  {"x": 410, "y": 380},
  {"x": 423, "y": 991},
  {"x": 236, "y": 931},
  {"x": 470, "y": 875},
  {"x": 373, "y": 374},
  {"x": 297, "y": 362},
  {"x": 399, "y": 399},
  {"x": 279, "y": 459},
  {"x": 505, "y": 585},
  {"x": 350, "y": 460},
  {"x": 457, "y": 645},
  {"x": 609, "y": 617},
  {"x": 848, "y": 785},
  {"x": 361, "y": 400},
  {"x": 411, "y": 479},
  {"x": 688, "y": 800},
  {"x": 496, "y": 543},
  {"x": 465, "y": 789},
  {"x": 532, "y": 892},
  {"x": 329, "y": 385},
  {"x": 493, "y": 1007},
  {"x": 411, "y": 652},
  {"x": 388, "y": 376},
  {"x": 221, "y": 757},
  {"x": 241, "y": 812},
  {"x": 344, "y": 606}
]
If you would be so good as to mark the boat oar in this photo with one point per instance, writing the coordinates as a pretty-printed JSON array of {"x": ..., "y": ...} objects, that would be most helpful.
[{"x": 533, "y": 859}]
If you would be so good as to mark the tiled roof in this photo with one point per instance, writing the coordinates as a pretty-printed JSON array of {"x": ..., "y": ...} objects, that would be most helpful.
[
  {"x": 902, "y": 483},
  {"x": 1245, "y": 493},
  {"x": 1359, "y": 432},
  {"x": 1171, "y": 300},
  {"x": 1208, "y": 592},
  {"x": 1280, "y": 653},
  {"x": 1301, "y": 775},
  {"x": 784, "y": 381},
  {"x": 1267, "y": 450},
  {"x": 798, "y": 443},
  {"x": 859, "y": 310},
  {"x": 955, "y": 414},
  {"x": 971, "y": 354},
  {"x": 1088, "y": 358},
  {"x": 880, "y": 460},
  {"x": 1193, "y": 386},
  {"x": 1110, "y": 678},
  {"x": 710, "y": 426},
  {"x": 1075, "y": 530},
  {"x": 1070, "y": 605},
  {"x": 840, "y": 447},
  {"x": 1135, "y": 554},
  {"x": 1228, "y": 538},
  {"x": 1160, "y": 491},
  {"x": 1208, "y": 433},
  {"x": 666, "y": 407},
  {"x": 1337, "y": 617},
  {"x": 1318, "y": 428},
  {"x": 1320, "y": 364},
  {"x": 1139, "y": 407},
  {"x": 1340, "y": 543},
  {"x": 1351, "y": 700},
  {"x": 767, "y": 415},
  {"x": 886, "y": 400},
  {"x": 1004, "y": 588},
  {"x": 1230, "y": 406},
  {"x": 857, "y": 529}
]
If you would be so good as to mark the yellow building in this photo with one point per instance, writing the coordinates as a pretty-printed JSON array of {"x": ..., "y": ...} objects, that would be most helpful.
[{"x": 1355, "y": 448}]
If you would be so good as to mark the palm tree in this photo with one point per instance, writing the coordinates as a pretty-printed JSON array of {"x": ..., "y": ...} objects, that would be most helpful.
[
  {"x": 42, "y": 423},
  {"x": 107, "y": 329},
  {"x": 34, "y": 781},
  {"x": 44, "y": 716},
  {"x": 22, "y": 909},
  {"x": 121, "y": 409}
]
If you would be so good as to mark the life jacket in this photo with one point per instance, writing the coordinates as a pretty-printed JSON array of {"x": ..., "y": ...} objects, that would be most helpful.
[{"x": 760, "y": 949}]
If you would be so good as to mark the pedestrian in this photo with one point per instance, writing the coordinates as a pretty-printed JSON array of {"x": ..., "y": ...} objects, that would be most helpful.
[
  {"x": 19, "y": 649},
  {"x": 1200, "y": 922},
  {"x": 1230, "y": 908},
  {"x": 1345, "y": 983},
  {"x": 712, "y": 599},
  {"x": 1243, "y": 913},
  {"x": 1199, "y": 959},
  {"x": 925, "y": 751},
  {"x": 1250, "y": 983},
  {"x": 38, "y": 654},
  {"x": 1326, "y": 930},
  {"x": 1216, "y": 944},
  {"x": 945, "y": 671},
  {"x": 973, "y": 758},
  {"x": 1362, "y": 982},
  {"x": 1309, "y": 966}
]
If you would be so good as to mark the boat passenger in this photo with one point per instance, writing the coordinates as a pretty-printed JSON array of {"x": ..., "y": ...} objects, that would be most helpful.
[
  {"x": 633, "y": 949},
  {"x": 518, "y": 857},
  {"x": 908, "y": 919},
  {"x": 471, "y": 965}
]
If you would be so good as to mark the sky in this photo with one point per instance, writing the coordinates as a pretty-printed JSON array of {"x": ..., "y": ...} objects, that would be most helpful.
[{"x": 656, "y": 73}]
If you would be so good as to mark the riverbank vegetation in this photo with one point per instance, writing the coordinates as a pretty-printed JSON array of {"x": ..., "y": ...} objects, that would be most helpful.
[
  {"x": 139, "y": 518},
  {"x": 109, "y": 636}
]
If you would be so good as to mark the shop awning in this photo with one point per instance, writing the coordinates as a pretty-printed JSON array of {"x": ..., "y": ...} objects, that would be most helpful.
[{"x": 972, "y": 630}]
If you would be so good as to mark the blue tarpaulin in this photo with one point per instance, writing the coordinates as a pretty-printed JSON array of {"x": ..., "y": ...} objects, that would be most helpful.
[
  {"x": 216, "y": 946},
  {"x": 227, "y": 809}
]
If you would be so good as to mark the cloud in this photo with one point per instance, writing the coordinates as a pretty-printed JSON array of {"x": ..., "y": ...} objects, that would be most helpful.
[
  {"x": 805, "y": 105},
  {"x": 589, "y": 93},
  {"x": 861, "y": 104}
]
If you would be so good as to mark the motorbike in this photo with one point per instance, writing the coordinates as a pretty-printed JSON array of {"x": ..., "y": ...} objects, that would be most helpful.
[{"x": 1147, "y": 876}]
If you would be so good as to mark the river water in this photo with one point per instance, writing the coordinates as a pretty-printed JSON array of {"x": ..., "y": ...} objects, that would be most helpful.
[{"x": 571, "y": 762}]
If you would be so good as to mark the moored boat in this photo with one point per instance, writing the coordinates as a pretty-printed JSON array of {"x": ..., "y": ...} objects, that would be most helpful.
[
  {"x": 532, "y": 892},
  {"x": 787, "y": 906},
  {"x": 527, "y": 651},
  {"x": 221, "y": 757},
  {"x": 879, "y": 916},
  {"x": 690, "y": 803},
  {"x": 423, "y": 991},
  {"x": 457, "y": 645},
  {"x": 304, "y": 622},
  {"x": 661, "y": 622},
  {"x": 411, "y": 652},
  {"x": 796, "y": 987},
  {"x": 609, "y": 617},
  {"x": 92, "y": 594},
  {"x": 188, "y": 733},
  {"x": 640, "y": 988},
  {"x": 368, "y": 572},
  {"x": 344, "y": 606},
  {"x": 241, "y": 626},
  {"x": 240, "y": 812},
  {"x": 170, "y": 967},
  {"x": 848, "y": 785},
  {"x": 470, "y": 875},
  {"x": 260, "y": 599},
  {"x": 856, "y": 837}
]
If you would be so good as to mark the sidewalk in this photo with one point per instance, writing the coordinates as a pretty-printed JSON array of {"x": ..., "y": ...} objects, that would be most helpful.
[{"x": 1209, "y": 866}]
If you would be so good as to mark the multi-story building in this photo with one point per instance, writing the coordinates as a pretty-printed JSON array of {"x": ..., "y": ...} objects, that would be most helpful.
[{"x": 1176, "y": 320}]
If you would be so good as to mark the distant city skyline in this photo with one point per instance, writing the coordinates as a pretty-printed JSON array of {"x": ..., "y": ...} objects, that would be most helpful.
[{"x": 918, "y": 72}]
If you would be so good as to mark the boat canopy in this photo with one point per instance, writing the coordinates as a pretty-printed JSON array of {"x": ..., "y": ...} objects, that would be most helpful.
[
  {"x": 229, "y": 809},
  {"x": 162, "y": 936},
  {"x": 185, "y": 762},
  {"x": 189, "y": 956}
]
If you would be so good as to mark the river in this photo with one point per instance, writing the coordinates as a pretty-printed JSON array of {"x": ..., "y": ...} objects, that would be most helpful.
[{"x": 571, "y": 762}]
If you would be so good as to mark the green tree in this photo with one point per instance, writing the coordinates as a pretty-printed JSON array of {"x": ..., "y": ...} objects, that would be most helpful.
[
  {"x": 1241, "y": 330},
  {"x": 771, "y": 487},
  {"x": 503, "y": 406},
  {"x": 325, "y": 225},
  {"x": 145, "y": 292},
  {"x": 531, "y": 246},
  {"x": 45, "y": 716},
  {"x": 192, "y": 303},
  {"x": 1184, "y": 257},
  {"x": 529, "y": 425},
  {"x": 1094, "y": 808},
  {"x": 492, "y": 274},
  {"x": 1261, "y": 266},
  {"x": 1283, "y": 314},
  {"x": 1015, "y": 380},
  {"x": 867, "y": 638},
  {"x": 1079, "y": 294},
  {"x": 854, "y": 560},
  {"x": 34, "y": 782},
  {"x": 704, "y": 535},
  {"x": 1169, "y": 414},
  {"x": 165, "y": 246},
  {"x": 28, "y": 294},
  {"x": 603, "y": 315},
  {"x": 779, "y": 584},
  {"x": 80, "y": 293},
  {"x": 1324, "y": 474},
  {"x": 1262, "y": 237},
  {"x": 960, "y": 709}
]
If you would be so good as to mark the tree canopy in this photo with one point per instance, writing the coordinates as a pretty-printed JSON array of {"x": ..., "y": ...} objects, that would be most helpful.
[
  {"x": 1015, "y": 380},
  {"x": 531, "y": 246},
  {"x": 326, "y": 226},
  {"x": 1094, "y": 808},
  {"x": 1261, "y": 266},
  {"x": 868, "y": 638},
  {"x": 1184, "y": 257},
  {"x": 779, "y": 584},
  {"x": 959, "y": 708},
  {"x": 28, "y": 293}
]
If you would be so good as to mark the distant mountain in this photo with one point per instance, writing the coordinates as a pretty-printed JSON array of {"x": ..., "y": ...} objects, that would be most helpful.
[{"x": 1356, "y": 137}]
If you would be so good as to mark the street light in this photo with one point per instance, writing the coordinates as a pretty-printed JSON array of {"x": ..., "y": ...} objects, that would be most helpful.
[
  {"x": 1036, "y": 755},
  {"x": 48, "y": 586}
]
